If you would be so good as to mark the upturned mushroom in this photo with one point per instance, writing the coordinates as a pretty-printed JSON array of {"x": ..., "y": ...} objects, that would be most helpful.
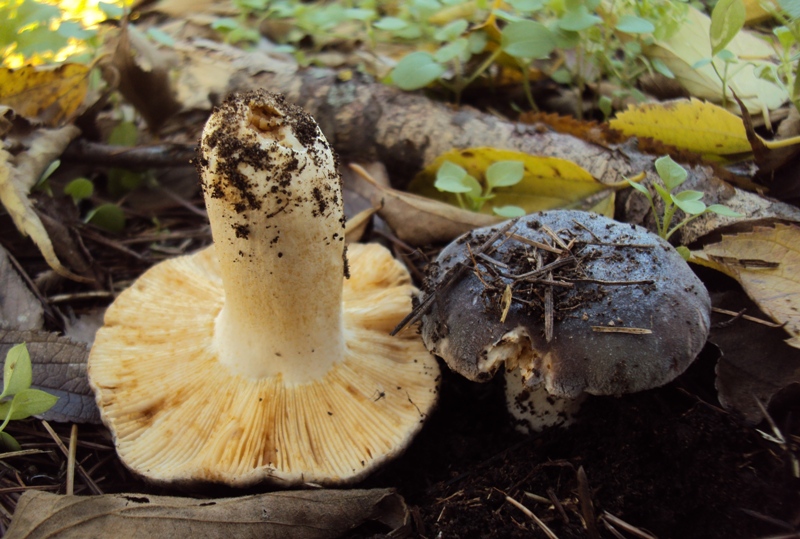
[
  {"x": 265, "y": 357},
  {"x": 570, "y": 303}
]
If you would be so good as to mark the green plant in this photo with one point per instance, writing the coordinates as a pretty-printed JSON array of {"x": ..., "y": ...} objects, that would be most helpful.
[
  {"x": 471, "y": 194},
  {"x": 18, "y": 400},
  {"x": 672, "y": 176},
  {"x": 786, "y": 45}
]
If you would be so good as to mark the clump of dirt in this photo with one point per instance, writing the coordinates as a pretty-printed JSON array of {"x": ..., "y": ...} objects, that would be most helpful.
[{"x": 668, "y": 461}]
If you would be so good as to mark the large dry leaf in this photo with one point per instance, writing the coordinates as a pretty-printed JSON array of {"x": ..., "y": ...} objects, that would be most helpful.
[
  {"x": 19, "y": 173},
  {"x": 548, "y": 182},
  {"x": 309, "y": 514},
  {"x": 419, "y": 220},
  {"x": 692, "y": 125},
  {"x": 690, "y": 44},
  {"x": 756, "y": 363},
  {"x": 765, "y": 262},
  {"x": 19, "y": 308},
  {"x": 50, "y": 95},
  {"x": 144, "y": 77},
  {"x": 59, "y": 367}
]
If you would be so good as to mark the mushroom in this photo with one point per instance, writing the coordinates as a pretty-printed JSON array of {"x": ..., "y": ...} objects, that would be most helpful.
[
  {"x": 262, "y": 358},
  {"x": 570, "y": 303}
]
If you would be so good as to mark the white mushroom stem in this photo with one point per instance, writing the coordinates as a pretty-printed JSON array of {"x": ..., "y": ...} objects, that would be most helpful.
[{"x": 273, "y": 197}]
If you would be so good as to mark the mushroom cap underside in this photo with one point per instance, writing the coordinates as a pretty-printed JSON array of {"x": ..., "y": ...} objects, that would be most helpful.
[
  {"x": 634, "y": 317},
  {"x": 179, "y": 416}
]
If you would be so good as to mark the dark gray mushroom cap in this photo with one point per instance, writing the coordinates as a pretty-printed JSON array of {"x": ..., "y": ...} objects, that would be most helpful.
[{"x": 634, "y": 318}]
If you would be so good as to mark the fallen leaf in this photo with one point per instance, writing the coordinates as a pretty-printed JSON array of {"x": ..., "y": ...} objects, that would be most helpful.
[
  {"x": 144, "y": 77},
  {"x": 19, "y": 308},
  {"x": 59, "y": 367},
  {"x": 755, "y": 362},
  {"x": 356, "y": 226},
  {"x": 49, "y": 95},
  {"x": 692, "y": 125},
  {"x": 690, "y": 44},
  {"x": 548, "y": 182},
  {"x": 765, "y": 263},
  {"x": 20, "y": 172},
  {"x": 415, "y": 219},
  {"x": 307, "y": 514}
]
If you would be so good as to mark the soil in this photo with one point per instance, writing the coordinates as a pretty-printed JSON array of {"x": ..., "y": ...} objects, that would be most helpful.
[{"x": 669, "y": 462}]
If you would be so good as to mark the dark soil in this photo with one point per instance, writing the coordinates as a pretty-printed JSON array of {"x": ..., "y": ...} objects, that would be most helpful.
[{"x": 667, "y": 461}]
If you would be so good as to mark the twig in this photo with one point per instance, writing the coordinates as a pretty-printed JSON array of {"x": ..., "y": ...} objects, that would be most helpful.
[
  {"x": 73, "y": 448},
  {"x": 616, "y": 329},
  {"x": 89, "y": 481},
  {"x": 608, "y": 283},
  {"x": 137, "y": 158},
  {"x": 746, "y": 317},
  {"x": 534, "y": 243},
  {"x": 581, "y": 225},
  {"x": 88, "y": 294},
  {"x": 555, "y": 237},
  {"x": 548, "y": 305},
  {"x": 587, "y": 507},
  {"x": 627, "y": 527},
  {"x": 454, "y": 273},
  {"x": 547, "y": 531},
  {"x": 557, "y": 503},
  {"x": 22, "y": 453},
  {"x": 541, "y": 271}
]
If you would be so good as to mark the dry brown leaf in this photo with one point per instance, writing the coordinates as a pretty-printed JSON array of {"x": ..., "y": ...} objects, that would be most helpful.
[
  {"x": 419, "y": 220},
  {"x": 59, "y": 367},
  {"x": 19, "y": 308},
  {"x": 144, "y": 77},
  {"x": 20, "y": 172},
  {"x": 49, "y": 95},
  {"x": 765, "y": 262},
  {"x": 309, "y": 514},
  {"x": 755, "y": 362}
]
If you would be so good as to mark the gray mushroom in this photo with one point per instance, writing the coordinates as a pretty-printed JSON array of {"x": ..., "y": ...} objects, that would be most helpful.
[{"x": 570, "y": 303}]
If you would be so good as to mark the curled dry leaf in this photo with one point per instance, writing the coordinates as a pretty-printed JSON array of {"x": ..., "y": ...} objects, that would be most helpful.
[
  {"x": 20, "y": 172},
  {"x": 19, "y": 308},
  {"x": 690, "y": 44},
  {"x": 309, "y": 514},
  {"x": 765, "y": 263},
  {"x": 415, "y": 219},
  {"x": 49, "y": 95},
  {"x": 59, "y": 367},
  {"x": 755, "y": 361},
  {"x": 144, "y": 77}
]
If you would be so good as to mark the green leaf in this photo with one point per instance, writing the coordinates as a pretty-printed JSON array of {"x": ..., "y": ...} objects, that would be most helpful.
[
  {"x": 639, "y": 187},
  {"x": 684, "y": 251},
  {"x": 451, "y": 31},
  {"x": 526, "y": 6},
  {"x": 631, "y": 24},
  {"x": 477, "y": 41},
  {"x": 111, "y": 10},
  {"x": 688, "y": 195},
  {"x": 450, "y": 178},
  {"x": 578, "y": 19},
  {"x": 416, "y": 71},
  {"x": 9, "y": 443},
  {"x": 671, "y": 173},
  {"x": 727, "y": 19},
  {"x": 725, "y": 211},
  {"x": 662, "y": 68},
  {"x": 17, "y": 373},
  {"x": 390, "y": 24},
  {"x": 505, "y": 173},
  {"x": 791, "y": 7},
  {"x": 692, "y": 207},
  {"x": 457, "y": 49},
  {"x": 108, "y": 216},
  {"x": 527, "y": 39},
  {"x": 160, "y": 36},
  {"x": 27, "y": 403},
  {"x": 79, "y": 189},
  {"x": 663, "y": 193},
  {"x": 509, "y": 212},
  {"x": 124, "y": 134}
]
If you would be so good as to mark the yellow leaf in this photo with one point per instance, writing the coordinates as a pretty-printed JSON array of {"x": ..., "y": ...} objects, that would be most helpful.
[
  {"x": 765, "y": 262},
  {"x": 548, "y": 182},
  {"x": 50, "y": 95},
  {"x": 693, "y": 125},
  {"x": 690, "y": 44}
]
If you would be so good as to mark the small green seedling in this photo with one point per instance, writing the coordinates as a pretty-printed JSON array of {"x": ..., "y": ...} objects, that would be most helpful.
[
  {"x": 673, "y": 175},
  {"x": 471, "y": 195},
  {"x": 18, "y": 400}
]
